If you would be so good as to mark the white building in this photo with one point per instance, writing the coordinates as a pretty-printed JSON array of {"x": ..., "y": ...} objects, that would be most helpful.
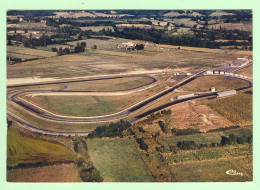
[
  {"x": 185, "y": 96},
  {"x": 227, "y": 93}
]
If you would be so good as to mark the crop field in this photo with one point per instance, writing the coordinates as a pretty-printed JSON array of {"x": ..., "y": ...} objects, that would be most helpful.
[
  {"x": 118, "y": 161},
  {"x": 29, "y": 52},
  {"x": 213, "y": 170},
  {"x": 246, "y": 71},
  {"x": 208, "y": 138},
  {"x": 24, "y": 150},
  {"x": 237, "y": 108},
  {"x": 204, "y": 83},
  {"x": 54, "y": 173}
]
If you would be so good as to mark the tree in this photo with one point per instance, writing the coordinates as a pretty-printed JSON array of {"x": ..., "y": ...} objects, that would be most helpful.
[
  {"x": 83, "y": 44},
  {"x": 94, "y": 47},
  {"x": 54, "y": 49},
  {"x": 9, "y": 43}
]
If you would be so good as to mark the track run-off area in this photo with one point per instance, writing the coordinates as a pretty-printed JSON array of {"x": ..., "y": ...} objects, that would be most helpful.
[{"x": 128, "y": 112}]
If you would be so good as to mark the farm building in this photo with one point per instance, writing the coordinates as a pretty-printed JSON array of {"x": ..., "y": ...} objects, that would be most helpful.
[
  {"x": 227, "y": 93},
  {"x": 240, "y": 62},
  {"x": 213, "y": 89},
  {"x": 128, "y": 45},
  {"x": 188, "y": 74},
  {"x": 185, "y": 96},
  {"x": 216, "y": 72},
  {"x": 209, "y": 72}
]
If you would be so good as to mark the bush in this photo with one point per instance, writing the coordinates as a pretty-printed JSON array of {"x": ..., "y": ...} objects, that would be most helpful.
[
  {"x": 187, "y": 145},
  {"x": 187, "y": 131},
  {"x": 142, "y": 144}
]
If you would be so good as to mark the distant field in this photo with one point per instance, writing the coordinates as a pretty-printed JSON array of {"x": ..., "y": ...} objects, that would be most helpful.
[
  {"x": 25, "y": 150},
  {"x": 219, "y": 13},
  {"x": 97, "y": 28},
  {"x": 232, "y": 26},
  {"x": 118, "y": 161},
  {"x": 220, "y": 83},
  {"x": 29, "y": 51},
  {"x": 247, "y": 71},
  {"x": 54, "y": 173},
  {"x": 213, "y": 170},
  {"x": 237, "y": 108},
  {"x": 208, "y": 138}
]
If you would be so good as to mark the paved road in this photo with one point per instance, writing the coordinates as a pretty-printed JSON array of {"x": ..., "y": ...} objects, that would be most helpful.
[{"x": 119, "y": 115}]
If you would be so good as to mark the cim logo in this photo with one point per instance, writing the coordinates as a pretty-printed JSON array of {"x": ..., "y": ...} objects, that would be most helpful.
[{"x": 234, "y": 172}]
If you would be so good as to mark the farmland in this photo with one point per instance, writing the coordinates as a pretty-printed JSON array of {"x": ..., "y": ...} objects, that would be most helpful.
[
  {"x": 122, "y": 161},
  {"x": 237, "y": 108},
  {"x": 54, "y": 173},
  {"x": 24, "y": 150}
]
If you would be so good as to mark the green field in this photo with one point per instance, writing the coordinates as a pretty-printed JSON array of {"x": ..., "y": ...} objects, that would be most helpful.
[
  {"x": 25, "y": 150},
  {"x": 220, "y": 83},
  {"x": 208, "y": 138},
  {"x": 118, "y": 161},
  {"x": 82, "y": 105},
  {"x": 237, "y": 108}
]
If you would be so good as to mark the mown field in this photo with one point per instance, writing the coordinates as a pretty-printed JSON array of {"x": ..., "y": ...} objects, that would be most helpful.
[
  {"x": 204, "y": 83},
  {"x": 237, "y": 108},
  {"x": 25, "y": 150},
  {"x": 118, "y": 161},
  {"x": 76, "y": 105}
]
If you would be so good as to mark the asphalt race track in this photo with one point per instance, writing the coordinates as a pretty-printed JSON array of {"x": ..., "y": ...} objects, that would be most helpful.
[{"x": 120, "y": 115}]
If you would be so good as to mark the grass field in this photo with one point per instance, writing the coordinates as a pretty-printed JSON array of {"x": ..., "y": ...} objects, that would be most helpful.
[
  {"x": 246, "y": 71},
  {"x": 237, "y": 108},
  {"x": 109, "y": 84},
  {"x": 208, "y": 138},
  {"x": 29, "y": 51},
  {"x": 220, "y": 83},
  {"x": 25, "y": 150},
  {"x": 214, "y": 170},
  {"x": 118, "y": 161},
  {"x": 82, "y": 105},
  {"x": 55, "y": 173}
]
